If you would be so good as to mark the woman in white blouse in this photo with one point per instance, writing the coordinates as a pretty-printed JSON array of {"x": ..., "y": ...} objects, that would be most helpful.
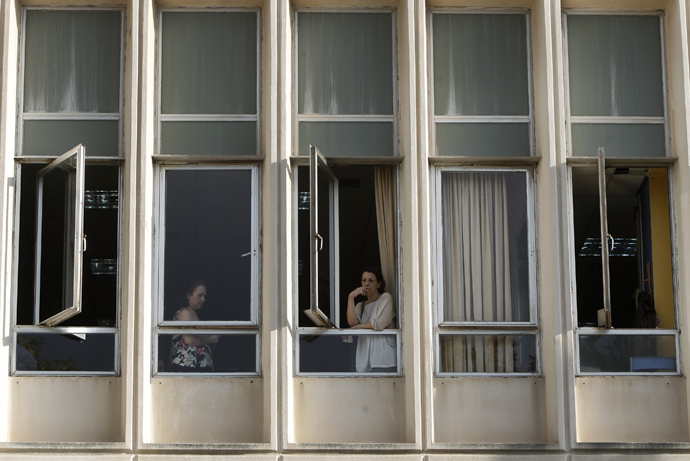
[{"x": 375, "y": 353}]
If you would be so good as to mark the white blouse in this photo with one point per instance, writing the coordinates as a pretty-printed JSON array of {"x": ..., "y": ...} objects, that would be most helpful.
[{"x": 376, "y": 351}]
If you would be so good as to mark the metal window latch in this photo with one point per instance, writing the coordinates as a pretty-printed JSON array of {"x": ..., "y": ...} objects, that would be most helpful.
[
  {"x": 246, "y": 254},
  {"x": 83, "y": 243},
  {"x": 613, "y": 241},
  {"x": 320, "y": 242}
]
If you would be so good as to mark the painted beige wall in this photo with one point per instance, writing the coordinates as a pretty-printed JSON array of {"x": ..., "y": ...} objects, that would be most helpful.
[
  {"x": 205, "y": 410},
  {"x": 349, "y": 410},
  {"x": 79, "y": 409},
  {"x": 631, "y": 409},
  {"x": 489, "y": 410}
]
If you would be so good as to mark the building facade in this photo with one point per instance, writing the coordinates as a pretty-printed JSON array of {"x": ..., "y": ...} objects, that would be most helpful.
[{"x": 191, "y": 189}]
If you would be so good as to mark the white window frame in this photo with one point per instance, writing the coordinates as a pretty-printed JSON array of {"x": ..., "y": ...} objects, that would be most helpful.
[
  {"x": 444, "y": 327},
  {"x": 434, "y": 119},
  {"x": 605, "y": 330},
  {"x": 206, "y": 117},
  {"x": 371, "y": 118},
  {"x": 336, "y": 328},
  {"x": 229, "y": 327},
  {"x": 616, "y": 120},
  {"x": 91, "y": 160}
]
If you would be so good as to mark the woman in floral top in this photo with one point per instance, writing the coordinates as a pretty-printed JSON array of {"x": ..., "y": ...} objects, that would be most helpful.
[{"x": 192, "y": 353}]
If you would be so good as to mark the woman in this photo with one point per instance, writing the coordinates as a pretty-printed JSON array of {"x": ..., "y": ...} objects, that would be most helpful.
[
  {"x": 192, "y": 353},
  {"x": 375, "y": 353}
]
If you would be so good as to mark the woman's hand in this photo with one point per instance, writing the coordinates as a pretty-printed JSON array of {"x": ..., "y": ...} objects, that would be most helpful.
[{"x": 359, "y": 291}]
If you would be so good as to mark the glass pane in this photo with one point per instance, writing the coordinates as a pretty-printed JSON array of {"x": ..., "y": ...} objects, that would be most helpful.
[
  {"x": 619, "y": 140},
  {"x": 347, "y": 139},
  {"x": 480, "y": 64},
  {"x": 639, "y": 246},
  {"x": 483, "y": 139},
  {"x": 348, "y": 353},
  {"x": 615, "y": 65},
  {"x": 72, "y": 61},
  {"x": 627, "y": 353},
  {"x": 208, "y": 138},
  {"x": 208, "y": 235},
  {"x": 209, "y": 63},
  {"x": 207, "y": 353},
  {"x": 488, "y": 353},
  {"x": 345, "y": 63},
  {"x": 99, "y": 278},
  {"x": 68, "y": 352},
  {"x": 55, "y": 137},
  {"x": 485, "y": 250}
]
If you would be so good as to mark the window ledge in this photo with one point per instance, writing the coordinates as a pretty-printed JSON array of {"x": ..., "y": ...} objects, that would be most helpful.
[{"x": 453, "y": 160}]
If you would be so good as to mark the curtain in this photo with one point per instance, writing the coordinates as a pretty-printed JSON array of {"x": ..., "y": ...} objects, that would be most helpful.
[
  {"x": 476, "y": 269},
  {"x": 384, "y": 180}
]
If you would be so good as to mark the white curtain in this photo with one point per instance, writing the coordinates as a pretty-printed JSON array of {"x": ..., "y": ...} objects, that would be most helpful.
[
  {"x": 384, "y": 180},
  {"x": 476, "y": 269}
]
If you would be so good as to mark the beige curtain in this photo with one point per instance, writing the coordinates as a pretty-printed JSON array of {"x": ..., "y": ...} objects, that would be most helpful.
[
  {"x": 476, "y": 269},
  {"x": 384, "y": 180}
]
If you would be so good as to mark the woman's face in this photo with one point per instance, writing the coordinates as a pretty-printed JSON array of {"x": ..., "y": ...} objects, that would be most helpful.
[
  {"x": 198, "y": 298},
  {"x": 369, "y": 282}
]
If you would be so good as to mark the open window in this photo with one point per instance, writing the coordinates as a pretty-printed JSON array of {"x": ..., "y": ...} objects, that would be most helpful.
[
  {"x": 59, "y": 249},
  {"x": 346, "y": 222},
  {"x": 624, "y": 269}
]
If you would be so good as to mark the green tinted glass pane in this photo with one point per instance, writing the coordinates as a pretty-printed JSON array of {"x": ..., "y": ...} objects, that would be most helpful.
[
  {"x": 615, "y": 65},
  {"x": 347, "y": 139},
  {"x": 72, "y": 61},
  {"x": 55, "y": 137},
  {"x": 480, "y": 64},
  {"x": 483, "y": 139},
  {"x": 345, "y": 63},
  {"x": 619, "y": 140},
  {"x": 208, "y": 138},
  {"x": 209, "y": 63}
]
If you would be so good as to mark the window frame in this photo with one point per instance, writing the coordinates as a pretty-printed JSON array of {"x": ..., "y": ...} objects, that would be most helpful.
[
  {"x": 229, "y": 327},
  {"x": 443, "y": 327},
  {"x": 617, "y": 120},
  {"x": 668, "y": 163},
  {"x": 161, "y": 117},
  {"x": 344, "y": 118},
  {"x": 469, "y": 119},
  {"x": 20, "y": 159},
  {"x": 76, "y": 116}
]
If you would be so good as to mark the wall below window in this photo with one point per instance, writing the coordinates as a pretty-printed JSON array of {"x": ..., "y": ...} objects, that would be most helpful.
[
  {"x": 66, "y": 409},
  {"x": 490, "y": 410},
  {"x": 349, "y": 410},
  {"x": 207, "y": 410},
  {"x": 631, "y": 409}
]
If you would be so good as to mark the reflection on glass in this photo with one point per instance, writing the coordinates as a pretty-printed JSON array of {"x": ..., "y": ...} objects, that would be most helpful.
[
  {"x": 480, "y": 64},
  {"x": 488, "y": 353},
  {"x": 68, "y": 352},
  {"x": 208, "y": 236},
  {"x": 485, "y": 247},
  {"x": 627, "y": 353},
  {"x": 72, "y": 62},
  {"x": 345, "y": 63},
  {"x": 209, "y": 63},
  {"x": 338, "y": 353},
  {"x": 231, "y": 353},
  {"x": 483, "y": 139},
  {"x": 615, "y": 65}
]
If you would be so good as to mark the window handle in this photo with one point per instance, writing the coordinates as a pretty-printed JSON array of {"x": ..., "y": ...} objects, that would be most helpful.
[
  {"x": 613, "y": 241},
  {"x": 246, "y": 254},
  {"x": 320, "y": 242},
  {"x": 83, "y": 243}
]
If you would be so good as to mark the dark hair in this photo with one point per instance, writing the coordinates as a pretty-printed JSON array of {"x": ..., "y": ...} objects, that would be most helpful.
[
  {"x": 193, "y": 285},
  {"x": 379, "y": 276}
]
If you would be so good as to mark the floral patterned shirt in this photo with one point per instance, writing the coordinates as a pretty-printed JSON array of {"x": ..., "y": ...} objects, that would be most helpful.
[{"x": 184, "y": 355}]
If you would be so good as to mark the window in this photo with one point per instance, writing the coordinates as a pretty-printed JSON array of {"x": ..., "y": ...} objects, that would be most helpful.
[
  {"x": 208, "y": 238},
  {"x": 481, "y": 82},
  {"x": 68, "y": 220},
  {"x": 485, "y": 284},
  {"x": 346, "y": 210},
  {"x": 346, "y": 83},
  {"x": 621, "y": 211}
]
